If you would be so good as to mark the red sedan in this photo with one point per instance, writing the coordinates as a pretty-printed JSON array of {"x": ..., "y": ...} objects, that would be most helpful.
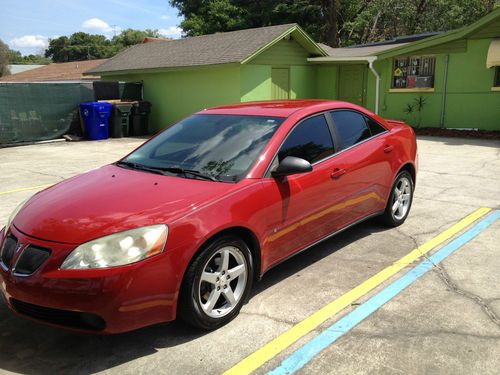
[{"x": 183, "y": 225}]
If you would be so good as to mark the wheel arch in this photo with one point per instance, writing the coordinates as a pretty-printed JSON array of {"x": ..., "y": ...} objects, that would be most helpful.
[
  {"x": 245, "y": 234},
  {"x": 410, "y": 168}
]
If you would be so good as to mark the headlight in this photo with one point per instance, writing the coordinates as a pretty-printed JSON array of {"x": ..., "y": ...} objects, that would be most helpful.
[
  {"x": 118, "y": 249},
  {"x": 14, "y": 213}
]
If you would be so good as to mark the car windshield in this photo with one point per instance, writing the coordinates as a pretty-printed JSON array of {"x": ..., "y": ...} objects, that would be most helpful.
[{"x": 217, "y": 147}]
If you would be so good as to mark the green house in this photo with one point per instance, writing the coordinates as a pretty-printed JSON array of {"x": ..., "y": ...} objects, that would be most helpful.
[
  {"x": 186, "y": 75},
  {"x": 447, "y": 80}
]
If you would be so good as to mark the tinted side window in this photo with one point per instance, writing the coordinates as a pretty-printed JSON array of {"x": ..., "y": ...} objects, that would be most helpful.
[
  {"x": 310, "y": 140},
  {"x": 351, "y": 127},
  {"x": 375, "y": 127}
]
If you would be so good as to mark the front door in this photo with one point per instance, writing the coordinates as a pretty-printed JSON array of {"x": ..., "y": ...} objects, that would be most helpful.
[
  {"x": 351, "y": 83},
  {"x": 280, "y": 83}
]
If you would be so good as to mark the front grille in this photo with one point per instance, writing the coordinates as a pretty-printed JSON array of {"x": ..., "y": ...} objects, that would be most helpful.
[
  {"x": 8, "y": 250},
  {"x": 31, "y": 259},
  {"x": 64, "y": 318}
]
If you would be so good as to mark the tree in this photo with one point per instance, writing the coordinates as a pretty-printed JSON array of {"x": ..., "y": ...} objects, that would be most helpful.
[
  {"x": 83, "y": 46},
  {"x": 334, "y": 22},
  {"x": 79, "y": 46},
  {"x": 129, "y": 37},
  {"x": 15, "y": 57},
  {"x": 4, "y": 59}
]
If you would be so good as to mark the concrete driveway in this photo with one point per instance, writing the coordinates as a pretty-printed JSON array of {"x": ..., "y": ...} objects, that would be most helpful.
[{"x": 445, "y": 321}]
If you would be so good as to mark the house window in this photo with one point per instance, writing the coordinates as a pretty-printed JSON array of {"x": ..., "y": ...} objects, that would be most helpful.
[
  {"x": 413, "y": 72},
  {"x": 497, "y": 77}
]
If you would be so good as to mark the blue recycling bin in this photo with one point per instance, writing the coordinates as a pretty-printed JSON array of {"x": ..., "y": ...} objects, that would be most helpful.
[{"x": 95, "y": 117}]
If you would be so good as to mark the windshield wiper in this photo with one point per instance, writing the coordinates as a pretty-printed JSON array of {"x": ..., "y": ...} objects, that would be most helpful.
[
  {"x": 192, "y": 172},
  {"x": 140, "y": 167},
  {"x": 162, "y": 170}
]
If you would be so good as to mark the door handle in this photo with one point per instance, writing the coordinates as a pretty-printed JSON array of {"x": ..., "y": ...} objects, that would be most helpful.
[
  {"x": 337, "y": 172},
  {"x": 388, "y": 148}
]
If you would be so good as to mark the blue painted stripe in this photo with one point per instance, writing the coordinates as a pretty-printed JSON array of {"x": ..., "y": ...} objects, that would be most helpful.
[{"x": 302, "y": 356}]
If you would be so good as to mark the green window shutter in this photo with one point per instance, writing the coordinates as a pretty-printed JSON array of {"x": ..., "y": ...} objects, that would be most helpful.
[{"x": 280, "y": 83}]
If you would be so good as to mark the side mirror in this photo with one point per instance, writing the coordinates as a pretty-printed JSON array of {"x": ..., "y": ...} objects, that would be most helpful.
[{"x": 291, "y": 165}]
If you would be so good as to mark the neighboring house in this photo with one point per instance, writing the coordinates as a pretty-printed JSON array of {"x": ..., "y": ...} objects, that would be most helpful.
[
  {"x": 185, "y": 75},
  {"x": 70, "y": 71},
  {"x": 450, "y": 79},
  {"x": 19, "y": 68}
]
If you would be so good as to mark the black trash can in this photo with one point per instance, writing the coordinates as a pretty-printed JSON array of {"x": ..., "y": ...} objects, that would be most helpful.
[
  {"x": 139, "y": 118},
  {"x": 119, "y": 121}
]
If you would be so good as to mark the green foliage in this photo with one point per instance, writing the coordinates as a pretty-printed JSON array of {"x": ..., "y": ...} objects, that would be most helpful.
[
  {"x": 83, "y": 46},
  {"x": 4, "y": 59},
  {"x": 334, "y": 22},
  {"x": 15, "y": 57},
  {"x": 129, "y": 37},
  {"x": 414, "y": 110},
  {"x": 207, "y": 17}
]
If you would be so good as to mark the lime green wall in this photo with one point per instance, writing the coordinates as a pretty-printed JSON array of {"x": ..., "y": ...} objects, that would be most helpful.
[
  {"x": 302, "y": 82},
  {"x": 283, "y": 52},
  {"x": 178, "y": 93},
  {"x": 470, "y": 103},
  {"x": 255, "y": 82}
]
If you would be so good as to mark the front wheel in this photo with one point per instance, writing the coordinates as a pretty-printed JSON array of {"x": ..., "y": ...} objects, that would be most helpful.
[
  {"x": 216, "y": 283},
  {"x": 400, "y": 200}
]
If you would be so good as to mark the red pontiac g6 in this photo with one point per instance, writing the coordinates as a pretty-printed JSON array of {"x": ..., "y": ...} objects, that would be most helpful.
[{"x": 184, "y": 224}]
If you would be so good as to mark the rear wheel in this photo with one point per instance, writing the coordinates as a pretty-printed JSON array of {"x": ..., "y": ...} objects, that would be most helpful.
[
  {"x": 216, "y": 283},
  {"x": 400, "y": 200}
]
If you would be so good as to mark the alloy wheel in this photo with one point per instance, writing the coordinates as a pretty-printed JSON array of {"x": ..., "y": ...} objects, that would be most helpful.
[
  {"x": 223, "y": 282},
  {"x": 401, "y": 198}
]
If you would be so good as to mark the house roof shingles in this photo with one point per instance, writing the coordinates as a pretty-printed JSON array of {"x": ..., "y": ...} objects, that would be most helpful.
[
  {"x": 219, "y": 48},
  {"x": 70, "y": 71}
]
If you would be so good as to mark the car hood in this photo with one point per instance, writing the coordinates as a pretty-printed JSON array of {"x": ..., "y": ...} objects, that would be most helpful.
[{"x": 109, "y": 200}]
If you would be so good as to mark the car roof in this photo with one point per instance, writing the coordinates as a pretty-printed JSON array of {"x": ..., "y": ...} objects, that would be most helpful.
[{"x": 277, "y": 108}]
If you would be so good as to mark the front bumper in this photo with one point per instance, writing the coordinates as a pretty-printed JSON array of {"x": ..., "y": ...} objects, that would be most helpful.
[{"x": 110, "y": 300}]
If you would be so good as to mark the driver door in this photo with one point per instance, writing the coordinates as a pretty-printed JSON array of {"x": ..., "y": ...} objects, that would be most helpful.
[{"x": 302, "y": 207}]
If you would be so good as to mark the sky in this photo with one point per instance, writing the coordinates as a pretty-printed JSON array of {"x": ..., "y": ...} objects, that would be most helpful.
[{"x": 27, "y": 25}]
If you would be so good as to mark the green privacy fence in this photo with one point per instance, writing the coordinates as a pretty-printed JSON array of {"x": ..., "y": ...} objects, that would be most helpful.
[
  {"x": 40, "y": 111},
  {"x": 43, "y": 111}
]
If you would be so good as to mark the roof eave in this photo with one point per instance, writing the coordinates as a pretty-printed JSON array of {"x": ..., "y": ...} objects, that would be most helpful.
[
  {"x": 333, "y": 59},
  {"x": 160, "y": 69}
]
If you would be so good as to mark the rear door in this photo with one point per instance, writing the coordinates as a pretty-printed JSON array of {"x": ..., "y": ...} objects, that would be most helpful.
[{"x": 364, "y": 161}]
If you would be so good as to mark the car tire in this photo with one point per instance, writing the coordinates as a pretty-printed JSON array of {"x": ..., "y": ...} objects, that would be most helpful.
[
  {"x": 216, "y": 284},
  {"x": 400, "y": 200}
]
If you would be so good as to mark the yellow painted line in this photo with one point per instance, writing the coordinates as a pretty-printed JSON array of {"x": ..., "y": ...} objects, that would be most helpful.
[
  {"x": 280, "y": 343},
  {"x": 25, "y": 189}
]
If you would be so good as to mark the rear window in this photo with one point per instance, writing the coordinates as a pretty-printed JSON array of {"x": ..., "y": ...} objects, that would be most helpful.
[{"x": 351, "y": 127}]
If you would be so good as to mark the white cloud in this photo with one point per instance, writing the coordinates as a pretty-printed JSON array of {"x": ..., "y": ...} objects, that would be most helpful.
[
  {"x": 171, "y": 32},
  {"x": 164, "y": 17},
  {"x": 30, "y": 41},
  {"x": 96, "y": 24}
]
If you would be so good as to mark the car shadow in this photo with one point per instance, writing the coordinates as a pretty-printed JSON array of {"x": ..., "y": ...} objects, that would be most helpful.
[
  {"x": 316, "y": 253},
  {"x": 30, "y": 347}
]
